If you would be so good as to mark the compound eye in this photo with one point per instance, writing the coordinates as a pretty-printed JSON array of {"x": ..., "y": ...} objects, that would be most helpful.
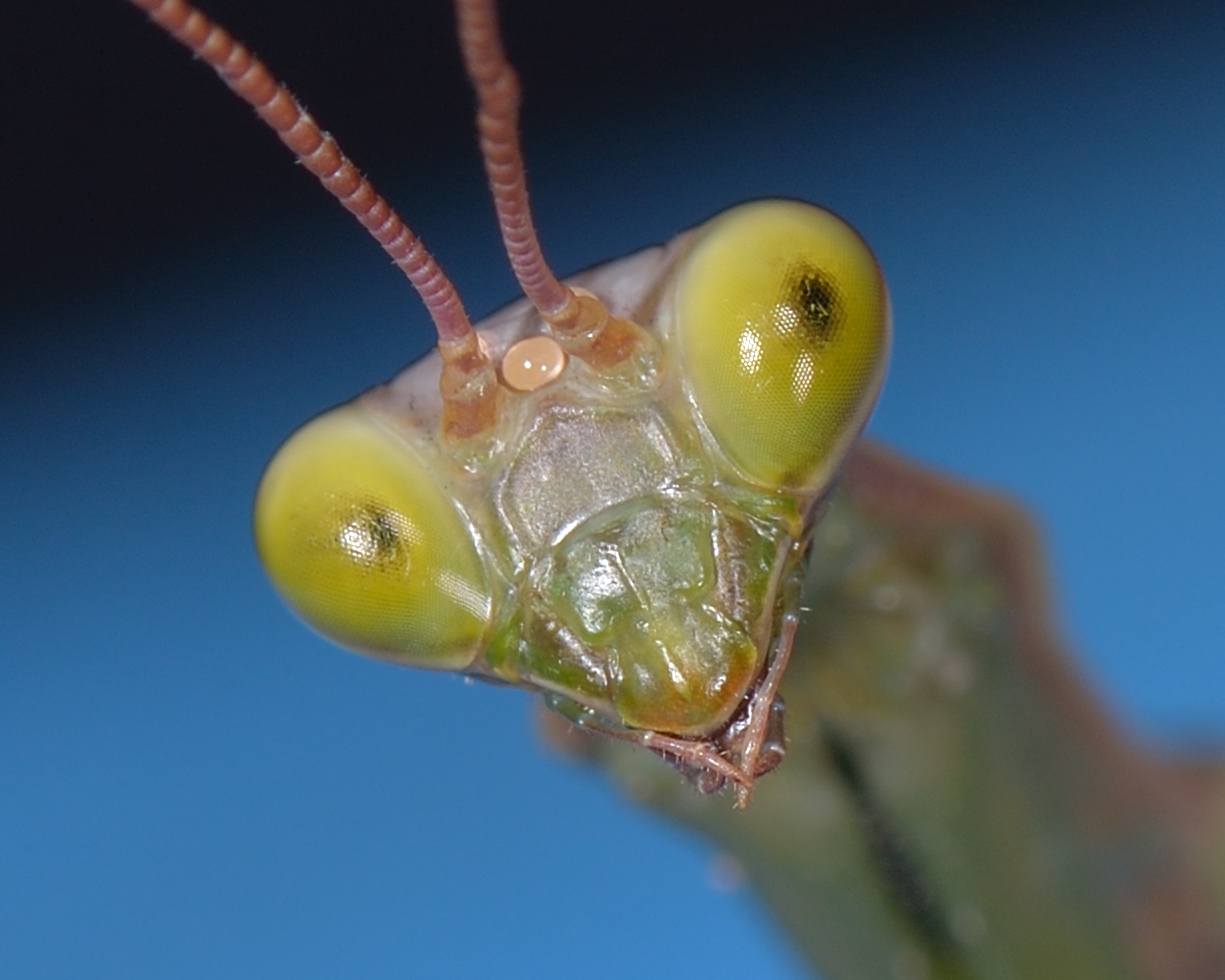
[
  {"x": 363, "y": 544},
  {"x": 783, "y": 323}
]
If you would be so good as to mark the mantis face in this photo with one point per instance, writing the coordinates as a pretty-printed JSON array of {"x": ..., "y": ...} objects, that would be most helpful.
[
  {"x": 603, "y": 493},
  {"x": 630, "y": 549}
]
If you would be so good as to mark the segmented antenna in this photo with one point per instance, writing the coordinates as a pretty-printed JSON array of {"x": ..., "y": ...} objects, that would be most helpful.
[
  {"x": 579, "y": 321},
  {"x": 469, "y": 384}
]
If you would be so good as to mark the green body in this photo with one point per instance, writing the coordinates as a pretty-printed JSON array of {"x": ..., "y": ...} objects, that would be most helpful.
[{"x": 953, "y": 803}]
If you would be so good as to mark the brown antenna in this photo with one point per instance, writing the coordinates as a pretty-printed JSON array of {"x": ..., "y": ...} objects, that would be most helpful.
[
  {"x": 468, "y": 383},
  {"x": 579, "y": 321}
]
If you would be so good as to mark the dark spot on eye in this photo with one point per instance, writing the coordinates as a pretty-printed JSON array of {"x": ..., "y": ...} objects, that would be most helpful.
[
  {"x": 371, "y": 535},
  {"x": 816, "y": 298},
  {"x": 382, "y": 531}
]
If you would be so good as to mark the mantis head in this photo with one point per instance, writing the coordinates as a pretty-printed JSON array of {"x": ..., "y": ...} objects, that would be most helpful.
[{"x": 604, "y": 492}]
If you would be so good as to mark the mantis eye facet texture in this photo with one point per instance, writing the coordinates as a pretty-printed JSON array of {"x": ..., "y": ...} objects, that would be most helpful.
[
  {"x": 361, "y": 541},
  {"x": 783, "y": 322}
]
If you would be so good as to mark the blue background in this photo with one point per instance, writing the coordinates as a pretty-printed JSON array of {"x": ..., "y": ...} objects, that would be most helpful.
[{"x": 192, "y": 785}]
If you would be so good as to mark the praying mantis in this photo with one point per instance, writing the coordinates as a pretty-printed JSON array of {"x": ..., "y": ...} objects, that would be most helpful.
[
  {"x": 917, "y": 517},
  {"x": 629, "y": 542}
]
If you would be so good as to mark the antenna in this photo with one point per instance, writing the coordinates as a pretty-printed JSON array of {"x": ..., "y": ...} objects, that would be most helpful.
[
  {"x": 468, "y": 383},
  {"x": 579, "y": 321}
]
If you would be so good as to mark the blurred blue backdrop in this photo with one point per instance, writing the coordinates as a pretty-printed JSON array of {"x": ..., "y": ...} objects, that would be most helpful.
[{"x": 192, "y": 785}]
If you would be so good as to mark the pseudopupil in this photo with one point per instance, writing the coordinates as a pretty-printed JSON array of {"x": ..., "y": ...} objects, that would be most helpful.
[
  {"x": 371, "y": 537},
  {"x": 816, "y": 299}
]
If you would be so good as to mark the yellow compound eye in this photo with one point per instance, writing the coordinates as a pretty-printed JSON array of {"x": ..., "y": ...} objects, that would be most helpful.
[
  {"x": 366, "y": 547},
  {"x": 783, "y": 322}
]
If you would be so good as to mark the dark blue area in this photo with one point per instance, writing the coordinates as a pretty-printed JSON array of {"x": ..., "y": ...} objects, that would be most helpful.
[{"x": 192, "y": 785}]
